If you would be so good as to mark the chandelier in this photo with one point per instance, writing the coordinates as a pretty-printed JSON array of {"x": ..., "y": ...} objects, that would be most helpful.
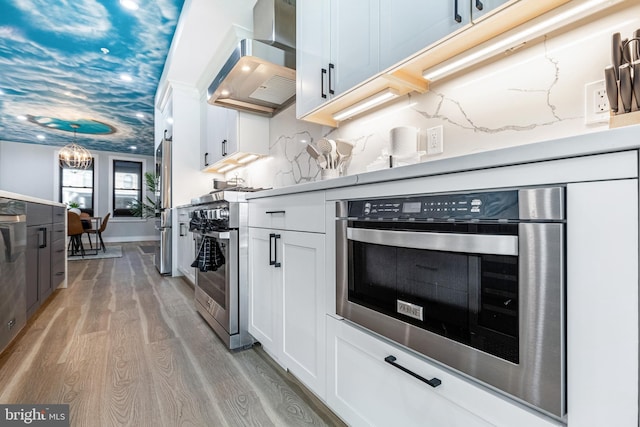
[{"x": 73, "y": 155}]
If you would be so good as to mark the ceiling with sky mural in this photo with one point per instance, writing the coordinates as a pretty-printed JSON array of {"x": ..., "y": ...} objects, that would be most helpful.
[{"x": 86, "y": 64}]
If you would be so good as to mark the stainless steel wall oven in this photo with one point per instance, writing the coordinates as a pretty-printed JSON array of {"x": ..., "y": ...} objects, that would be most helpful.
[{"x": 475, "y": 281}]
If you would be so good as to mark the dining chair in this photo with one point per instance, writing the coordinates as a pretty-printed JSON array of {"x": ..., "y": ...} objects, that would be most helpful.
[
  {"x": 75, "y": 231},
  {"x": 99, "y": 231}
]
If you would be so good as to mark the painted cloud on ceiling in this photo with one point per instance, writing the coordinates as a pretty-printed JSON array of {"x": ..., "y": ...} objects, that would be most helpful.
[{"x": 83, "y": 61}]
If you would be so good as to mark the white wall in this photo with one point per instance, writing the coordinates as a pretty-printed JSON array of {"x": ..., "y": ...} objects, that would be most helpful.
[
  {"x": 535, "y": 94},
  {"x": 32, "y": 170}
]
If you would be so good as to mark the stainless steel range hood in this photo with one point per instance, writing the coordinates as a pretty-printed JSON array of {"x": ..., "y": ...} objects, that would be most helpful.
[{"x": 260, "y": 76}]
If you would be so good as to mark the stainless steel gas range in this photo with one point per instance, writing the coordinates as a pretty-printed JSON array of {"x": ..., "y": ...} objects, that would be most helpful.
[{"x": 219, "y": 223}]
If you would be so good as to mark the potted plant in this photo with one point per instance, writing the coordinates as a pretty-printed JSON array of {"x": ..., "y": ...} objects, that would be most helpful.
[{"x": 149, "y": 207}]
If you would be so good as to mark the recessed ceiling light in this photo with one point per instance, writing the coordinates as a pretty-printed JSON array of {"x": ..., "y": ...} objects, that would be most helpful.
[
  {"x": 224, "y": 93},
  {"x": 246, "y": 68},
  {"x": 126, "y": 78},
  {"x": 133, "y": 147},
  {"x": 140, "y": 115},
  {"x": 104, "y": 50},
  {"x": 129, "y": 4},
  {"x": 21, "y": 117},
  {"x": 41, "y": 137},
  {"x": 1, "y": 92}
]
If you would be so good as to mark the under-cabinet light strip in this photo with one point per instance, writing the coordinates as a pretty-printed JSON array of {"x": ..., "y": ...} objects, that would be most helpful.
[
  {"x": 366, "y": 103},
  {"x": 439, "y": 71}
]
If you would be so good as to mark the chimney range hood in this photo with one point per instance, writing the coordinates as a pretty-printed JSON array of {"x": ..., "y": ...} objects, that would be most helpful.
[{"x": 259, "y": 76}]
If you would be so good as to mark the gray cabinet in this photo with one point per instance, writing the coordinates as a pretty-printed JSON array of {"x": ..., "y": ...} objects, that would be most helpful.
[{"x": 45, "y": 253}]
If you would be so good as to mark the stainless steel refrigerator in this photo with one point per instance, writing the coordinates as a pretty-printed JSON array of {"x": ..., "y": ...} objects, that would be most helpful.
[{"x": 163, "y": 221}]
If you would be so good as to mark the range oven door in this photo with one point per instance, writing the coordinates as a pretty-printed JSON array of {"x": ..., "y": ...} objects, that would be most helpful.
[
  {"x": 216, "y": 292},
  {"x": 485, "y": 299}
]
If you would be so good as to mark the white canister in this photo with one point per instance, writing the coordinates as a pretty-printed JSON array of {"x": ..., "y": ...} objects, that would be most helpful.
[
  {"x": 329, "y": 174},
  {"x": 404, "y": 140}
]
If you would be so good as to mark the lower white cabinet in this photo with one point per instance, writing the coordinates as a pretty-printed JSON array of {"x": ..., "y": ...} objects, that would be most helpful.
[
  {"x": 365, "y": 390},
  {"x": 286, "y": 300},
  {"x": 186, "y": 245}
]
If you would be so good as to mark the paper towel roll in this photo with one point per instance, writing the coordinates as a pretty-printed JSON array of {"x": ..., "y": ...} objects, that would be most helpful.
[{"x": 404, "y": 140}]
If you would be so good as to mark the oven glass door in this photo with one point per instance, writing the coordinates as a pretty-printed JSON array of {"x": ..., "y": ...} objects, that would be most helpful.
[
  {"x": 215, "y": 288},
  {"x": 447, "y": 281}
]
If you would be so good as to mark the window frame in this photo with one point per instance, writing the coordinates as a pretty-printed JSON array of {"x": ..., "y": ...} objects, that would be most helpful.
[
  {"x": 143, "y": 191},
  {"x": 60, "y": 182}
]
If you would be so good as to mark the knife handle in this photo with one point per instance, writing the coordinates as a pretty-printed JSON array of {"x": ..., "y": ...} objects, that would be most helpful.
[
  {"x": 636, "y": 82},
  {"x": 626, "y": 89},
  {"x": 635, "y": 47},
  {"x": 616, "y": 53},
  {"x": 612, "y": 88}
]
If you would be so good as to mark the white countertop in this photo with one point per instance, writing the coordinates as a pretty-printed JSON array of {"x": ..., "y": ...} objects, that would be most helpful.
[
  {"x": 22, "y": 197},
  {"x": 607, "y": 141}
]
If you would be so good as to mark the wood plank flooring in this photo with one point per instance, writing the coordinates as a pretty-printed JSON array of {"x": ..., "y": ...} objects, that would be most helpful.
[{"x": 124, "y": 346}]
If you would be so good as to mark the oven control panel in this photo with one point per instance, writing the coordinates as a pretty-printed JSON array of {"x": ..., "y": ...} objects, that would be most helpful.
[{"x": 496, "y": 205}]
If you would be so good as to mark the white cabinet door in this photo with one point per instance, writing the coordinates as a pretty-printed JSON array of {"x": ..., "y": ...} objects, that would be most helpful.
[
  {"x": 602, "y": 303},
  {"x": 312, "y": 54},
  {"x": 186, "y": 245},
  {"x": 408, "y": 26},
  {"x": 480, "y": 8},
  {"x": 303, "y": 322},
  {"x": 216, "y": 133},
  {"x": 265, "y": 302},
  {"x": 355, "y": 30}
]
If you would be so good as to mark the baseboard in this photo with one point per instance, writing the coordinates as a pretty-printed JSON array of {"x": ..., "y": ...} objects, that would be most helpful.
[{"x": 124, "y": 239}]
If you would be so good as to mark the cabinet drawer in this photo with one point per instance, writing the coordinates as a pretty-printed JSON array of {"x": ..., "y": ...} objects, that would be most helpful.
[
  {"x": 59, "y": 214},
  {"x": 38, "y": 214},
  {"x": 296, "y": 212},
  {"x": 59, "y": 232},
  {"x": 366, "y": 390}
]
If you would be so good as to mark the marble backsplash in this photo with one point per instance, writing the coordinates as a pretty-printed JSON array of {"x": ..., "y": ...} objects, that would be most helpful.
[{"x": 536, "y": 93}]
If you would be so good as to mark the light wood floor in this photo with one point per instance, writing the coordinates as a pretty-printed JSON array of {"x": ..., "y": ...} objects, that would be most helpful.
[{"x": 123, "y": 346}]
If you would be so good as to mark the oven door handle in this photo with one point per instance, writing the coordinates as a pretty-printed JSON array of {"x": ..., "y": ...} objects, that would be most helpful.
[
  {"x": 220, "y": 235},
  {"x": 449, "y": 242}
]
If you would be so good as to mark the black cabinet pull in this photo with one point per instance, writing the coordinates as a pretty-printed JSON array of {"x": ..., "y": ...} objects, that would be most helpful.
[
  {"x": 276, "y": 264},
  {"x": 224, "y": 147},
  {"x": 206, "y": 163},
  {"x": 182, "y": 233},
  {"x": 322, "y": 73},
  {"x": 271, "y": 238},
  {"x": 43, "y": 236},
  {"x": 275, "y": 212},
  {"x": 60, "y": 273},
  {"x": 457, "y": 16},
  {"x": 433, "y": 382},
  {"x": 331, "y": 67},
  {"x": 479, "y": 5}
]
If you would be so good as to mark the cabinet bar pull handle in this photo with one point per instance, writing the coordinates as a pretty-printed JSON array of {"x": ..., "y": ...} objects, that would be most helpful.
[
  {"x": 271, "y": 238},
  {"x": 276, "y": 264},
  {"x": 275, "y": 212},
  {"x": 457, "y": 16},
  {"x": 224, "y": 147},
  {"x": 331, "y": 67},
  {"x": 182, "y": 233},
  {"x": 322, "y": 73},
  {"x": 43, "y": 230},
  {"x": 479, "y": 5},
  {"x": 433, "y": 382},
  {"x": 206, "y": 163}
]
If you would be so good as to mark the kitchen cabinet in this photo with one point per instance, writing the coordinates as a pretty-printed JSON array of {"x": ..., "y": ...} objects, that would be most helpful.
[
  {"x": 287, "y": 290},
  {"x": 365, "y": 390},
  {"x": 408, "y": 26},
  {"x": 230, "y": 136},
  {"x": 186, "y": 245},
  {"x": 480, "y": 8},
  {"x": 39, "y": 244}
]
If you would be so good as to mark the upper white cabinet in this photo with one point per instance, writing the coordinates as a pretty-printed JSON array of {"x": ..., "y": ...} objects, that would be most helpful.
[
  {"x": 230, "y": 136},
  {"x": 480, "y": 8},
  {"x": 337, "y": 47},
  {"x": 407, "y": 26}
]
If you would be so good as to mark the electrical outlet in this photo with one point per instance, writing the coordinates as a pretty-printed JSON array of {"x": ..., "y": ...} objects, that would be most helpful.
[
  {"x": 435, "y": 140},
  {"x": 596, "y": 106}
]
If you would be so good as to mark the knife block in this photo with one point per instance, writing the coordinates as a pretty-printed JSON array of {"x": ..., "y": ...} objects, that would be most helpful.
[{"x": 625, "y": 119}]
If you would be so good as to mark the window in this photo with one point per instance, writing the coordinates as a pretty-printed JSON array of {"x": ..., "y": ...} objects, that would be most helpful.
[
  {"x": 127, "y": 187},
  {"x": 77, "y": 185}
]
